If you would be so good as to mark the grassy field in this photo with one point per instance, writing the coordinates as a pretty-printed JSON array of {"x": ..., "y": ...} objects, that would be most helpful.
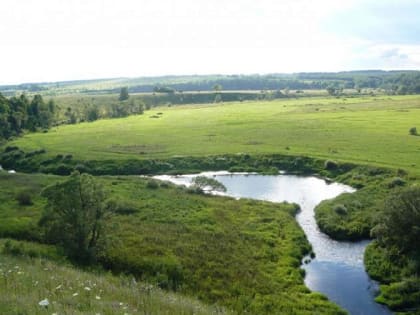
[
  {"x": 24, "y": 283},
  {"x": 362, "y": 130},
  {"x": 162, "y": 233},
  {"x": 244, "y": 255}
]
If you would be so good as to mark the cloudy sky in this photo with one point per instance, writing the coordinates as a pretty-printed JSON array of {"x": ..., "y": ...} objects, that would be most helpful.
[{"x": 52, "y": 40}]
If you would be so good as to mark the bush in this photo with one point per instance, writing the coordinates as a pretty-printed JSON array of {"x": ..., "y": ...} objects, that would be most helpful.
[
  {"x": 24, "y": 198},
  {"x": 396, "y": 181},
  {"x": 340, "y": 209},
  {"x": 152, "y": 184},
  {"x": 413, "y": 131},
  {"x": 11, "y": 148},
  {"x": 330, "y": 165},
  {"x": 123, "y": 207}
]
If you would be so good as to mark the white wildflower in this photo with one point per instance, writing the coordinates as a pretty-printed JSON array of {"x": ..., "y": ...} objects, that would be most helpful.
[
  {"x": 97, "y": 297},
  {"x": 87, "y": 289},
  {"x": 75, "y": 294},
  {"x": 44, "y": 302},
  {"x": 58, "y": 287}
]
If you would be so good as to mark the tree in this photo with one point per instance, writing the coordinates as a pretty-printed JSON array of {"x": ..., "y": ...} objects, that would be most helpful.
[
  {"x": 4, "y": 115},
  {"x": 75, "y": 216},
  {"x": 217, "y": 87},
  {"x": 209, "y": 184},
  {"x": 92, "y": 113},
  {"x": 398, "y": 226},
  {"x": 124, "y": 94}
]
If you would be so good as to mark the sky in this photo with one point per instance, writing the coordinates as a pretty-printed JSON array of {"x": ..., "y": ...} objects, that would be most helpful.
[{"x": 57, "y": 40}]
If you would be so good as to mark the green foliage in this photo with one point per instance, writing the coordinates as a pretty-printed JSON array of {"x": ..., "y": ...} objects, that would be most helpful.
[
  {"x": 349, "y": 216},
  {"x": 241, "y": 254},
  {"x": 18, "y": 114},
  {"x": 152, "y": 184},
  {"x": 403, "y": 295},
  {"x": 398, "y": 226},
  {"x": 31, "y": 249},
  {"x": 399, "y": 272},
  {"x": 205, "y": 183},
  {"x": 92, "y": 113},
  {"x": 24, "y": 198},
  {"x": 330, "y": 165},
  {"x": 396, "y": 182},
  {"x": 352, "y": 216},
  {"x": 75, "y": 216},
  {"x": 413, "y": 131},
  {"x": 123, "y": 94},
  {"x": 340, "y": 209},
  {"x": 19, "y": 221}
]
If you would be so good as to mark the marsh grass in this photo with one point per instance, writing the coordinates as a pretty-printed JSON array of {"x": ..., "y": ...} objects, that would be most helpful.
[{"x": 244, "y": 255}]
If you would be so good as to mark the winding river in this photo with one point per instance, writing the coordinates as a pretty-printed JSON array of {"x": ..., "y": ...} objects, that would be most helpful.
[{"x": 337, "y": 270}]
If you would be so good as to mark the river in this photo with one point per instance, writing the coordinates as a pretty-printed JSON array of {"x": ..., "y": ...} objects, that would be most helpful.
[{"x": 337, "y": 270}]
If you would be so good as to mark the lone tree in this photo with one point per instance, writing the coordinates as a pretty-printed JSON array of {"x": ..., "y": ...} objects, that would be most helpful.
[
  {"x": 124, "y": 94},
  {"x": 75, "y": 216},
  {"x": 398, "y": 227},
  {"x": 413, "y": 131},
  {"x": 208, "y": 184}
]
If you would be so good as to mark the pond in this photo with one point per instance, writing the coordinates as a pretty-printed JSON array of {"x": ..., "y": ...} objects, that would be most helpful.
[{"x": 337, "y": 270}]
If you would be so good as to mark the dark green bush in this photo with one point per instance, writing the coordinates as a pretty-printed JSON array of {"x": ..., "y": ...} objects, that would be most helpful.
[
  {"x": 152, "y": 184},
  {"x": 24, "y": 198},
  {"x": 396, "y": 181},
  {"x": 11, "y": 148},
  {"x": 330, "y": 165},
  {"x": 340, "y": 209}
]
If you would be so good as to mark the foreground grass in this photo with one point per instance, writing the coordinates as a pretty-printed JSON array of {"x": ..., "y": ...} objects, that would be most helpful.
[
  {"x": 25, "y": 282},
  {"x": 242, "y": 254},
  {"x": 363, "y": 130}
]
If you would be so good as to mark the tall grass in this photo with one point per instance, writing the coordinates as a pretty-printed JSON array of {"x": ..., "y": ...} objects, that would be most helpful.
[{"x": 26, "y": 283}]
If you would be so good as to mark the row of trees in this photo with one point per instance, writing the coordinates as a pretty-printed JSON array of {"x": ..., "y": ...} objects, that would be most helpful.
[
  {"x": 92, "y": 112},
  {"x": 21, "y": 113},
  {"x": 394, "y": 82}
]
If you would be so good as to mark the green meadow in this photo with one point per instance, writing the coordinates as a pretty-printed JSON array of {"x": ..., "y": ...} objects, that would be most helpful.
[
  {"x": 364, "y": 130},
  {"x": 242, "y": 255}
]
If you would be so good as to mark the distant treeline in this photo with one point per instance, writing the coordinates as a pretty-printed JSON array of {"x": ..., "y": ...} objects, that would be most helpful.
[
  {"x": 21, "y": 113},
  {"x": 391, "y": 82}
]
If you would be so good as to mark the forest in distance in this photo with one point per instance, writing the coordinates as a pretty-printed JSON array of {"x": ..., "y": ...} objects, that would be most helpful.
[{"x": 391, "y": 82}]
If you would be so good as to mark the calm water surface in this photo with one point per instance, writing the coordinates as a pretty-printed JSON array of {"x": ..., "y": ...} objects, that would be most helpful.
[{"x": 337, "y": 271}]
